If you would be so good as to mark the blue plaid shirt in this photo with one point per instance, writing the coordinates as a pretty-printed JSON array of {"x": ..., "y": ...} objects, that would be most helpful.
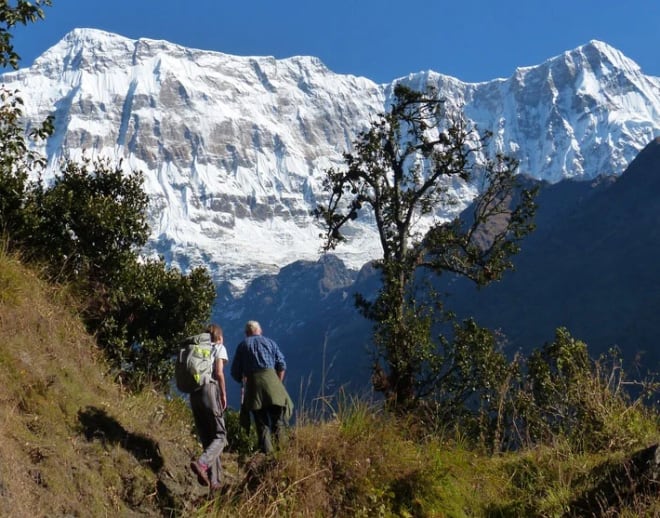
[{"x": 256, "y": 353}]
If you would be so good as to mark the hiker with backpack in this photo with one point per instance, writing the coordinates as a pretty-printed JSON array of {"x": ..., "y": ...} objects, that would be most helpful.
[
  {"x": 260, "y": 365},
  {"x": 200, "y": 372}
]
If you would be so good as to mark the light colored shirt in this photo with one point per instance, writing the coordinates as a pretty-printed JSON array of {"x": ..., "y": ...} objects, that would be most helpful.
[{"x": 219, "y": 352}]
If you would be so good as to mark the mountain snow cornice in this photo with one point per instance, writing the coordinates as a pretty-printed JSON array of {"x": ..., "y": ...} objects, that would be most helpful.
[{"x": 233, "y": 148}]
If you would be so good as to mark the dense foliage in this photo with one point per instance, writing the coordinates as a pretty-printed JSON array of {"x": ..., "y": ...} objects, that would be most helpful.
[
  {"x": 89, "y": 221},
  {"x": 149, "y": 310},
  {"x": 564, "y": 393},
  {"x": 400, "y": 173},
  {"x": 86, "y": 228},
  {"x": 557, "y": 394}
]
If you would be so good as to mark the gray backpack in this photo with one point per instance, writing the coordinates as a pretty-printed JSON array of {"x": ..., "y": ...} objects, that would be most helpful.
[{"x": 194, "y": 363}]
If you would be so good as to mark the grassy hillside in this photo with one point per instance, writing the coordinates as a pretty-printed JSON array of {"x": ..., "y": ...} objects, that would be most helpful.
[{"x": 73, "y": 443}]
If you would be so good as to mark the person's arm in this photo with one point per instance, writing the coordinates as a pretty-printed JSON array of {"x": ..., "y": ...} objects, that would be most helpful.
[
  {"x": 280, "y": 362},
  {"x": 220, "y": 378},
  {"x": 236, "y": 370}
]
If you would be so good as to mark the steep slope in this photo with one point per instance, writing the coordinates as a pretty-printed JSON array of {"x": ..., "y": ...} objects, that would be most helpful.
[
  {"x": 234, "y": 148},
  {"x": 72, "y": 443}
]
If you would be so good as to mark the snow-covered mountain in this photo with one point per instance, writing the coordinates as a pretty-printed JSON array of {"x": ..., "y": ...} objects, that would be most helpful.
[{"x": 234, "y": 148}]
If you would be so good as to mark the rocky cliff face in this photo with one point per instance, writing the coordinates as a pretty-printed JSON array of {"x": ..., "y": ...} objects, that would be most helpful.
[{"x": 234, "y": 148}]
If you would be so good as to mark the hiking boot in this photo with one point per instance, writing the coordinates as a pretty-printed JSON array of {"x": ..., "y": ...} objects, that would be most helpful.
[{"x": 201, "y": 470}]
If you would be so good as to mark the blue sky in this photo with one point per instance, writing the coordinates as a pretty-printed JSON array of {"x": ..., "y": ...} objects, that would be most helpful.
[{"x": 474, "y": 40}]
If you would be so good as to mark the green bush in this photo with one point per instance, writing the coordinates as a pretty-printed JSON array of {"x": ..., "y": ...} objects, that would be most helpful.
[
  {"x": 564, "y": 395},
  {"x": 87, "y": 228},
  {"x": 241, "y": 441},
  {"x": 145, "y": 315},
  {"x": 89, "y": 223}
]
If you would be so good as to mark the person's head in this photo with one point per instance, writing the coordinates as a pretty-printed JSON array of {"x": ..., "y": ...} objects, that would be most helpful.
[
  {"x": 252, "y": 328},
  {"x": 216, "y": 333}
]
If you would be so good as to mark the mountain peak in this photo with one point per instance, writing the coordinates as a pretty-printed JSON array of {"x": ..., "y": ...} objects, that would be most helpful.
[
  {"x": 599, "y": 55},
  {"x": 87, "y": 37},
  {"x": 595, "y": 56},
  {"x": 234, "y": 148},
  {"x": 83, "y": 46}
]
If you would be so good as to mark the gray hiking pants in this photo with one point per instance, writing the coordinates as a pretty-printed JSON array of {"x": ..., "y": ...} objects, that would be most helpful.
[{"x": 210, "y": 424}]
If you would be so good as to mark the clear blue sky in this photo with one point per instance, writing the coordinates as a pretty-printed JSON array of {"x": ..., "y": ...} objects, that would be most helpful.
[{"x": 474, "y": 40}]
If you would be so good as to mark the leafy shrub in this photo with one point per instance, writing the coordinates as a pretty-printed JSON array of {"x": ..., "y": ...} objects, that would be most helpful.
[
  {"x": 471, "y": 389},
  {"x": 87, "y": 228},
  {"x": 16, "y": 162},
  {"x": 147, "y": 312},
  {"x": 565, "y": 395},
  {"x": 90, "y": 222},
  {"x": 241, "y": 441}
]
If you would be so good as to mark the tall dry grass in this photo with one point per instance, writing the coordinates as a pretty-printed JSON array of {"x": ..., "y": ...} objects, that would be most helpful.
[{"x": 352, "y": 458}]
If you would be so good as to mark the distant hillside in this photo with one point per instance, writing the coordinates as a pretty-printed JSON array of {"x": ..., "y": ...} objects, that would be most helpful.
[
  {"x": 590, "y": 266},
  {"x": 72, "y": 443},
  {"x": 308, "y": 308}
]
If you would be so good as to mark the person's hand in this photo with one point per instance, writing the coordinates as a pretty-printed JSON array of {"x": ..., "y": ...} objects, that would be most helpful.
[{"x": 223, "y": 401}]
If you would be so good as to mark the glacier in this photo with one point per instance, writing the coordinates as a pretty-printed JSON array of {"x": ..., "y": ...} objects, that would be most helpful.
[{"x": 233, "y": 148}]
